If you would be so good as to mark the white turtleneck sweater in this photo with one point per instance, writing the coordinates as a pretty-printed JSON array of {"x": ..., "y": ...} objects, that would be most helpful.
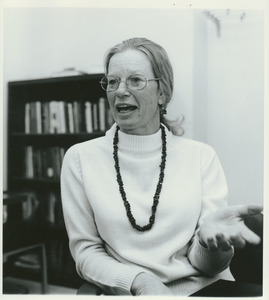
[{"x": 107, "y": 250}]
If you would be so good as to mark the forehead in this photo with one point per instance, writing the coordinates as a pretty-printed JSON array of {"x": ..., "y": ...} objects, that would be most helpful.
[{"x": 130, "y": 60}]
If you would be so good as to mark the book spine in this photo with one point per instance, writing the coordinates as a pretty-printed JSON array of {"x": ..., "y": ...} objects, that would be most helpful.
[
  {"x": 66, "y": 118},
  {"x": 54, "y": 117},
  {"x": 33, "y": 117},
  {"x": 45, "y": 117},
  {"x": 76, "y": 117},
  {"x": 102, "y": 114},
  {"x": 80, "y": 118},
  {"x": 88, "y": 117},
  {"x": 38, "y": 117},
  {"x": 95, "y": 116},
  {"x": 71, "y": 127},
  {"x": 29, "y": 170},
  {"x": 62, "y": 127},
  {"x": 27, "y": 118}
]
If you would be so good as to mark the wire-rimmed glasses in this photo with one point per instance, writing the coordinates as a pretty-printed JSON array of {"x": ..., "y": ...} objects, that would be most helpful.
[{"x": 134, "y": 82}]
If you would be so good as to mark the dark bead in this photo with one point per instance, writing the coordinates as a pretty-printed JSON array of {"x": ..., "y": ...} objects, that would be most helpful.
[{"x": 158, "y": 187}]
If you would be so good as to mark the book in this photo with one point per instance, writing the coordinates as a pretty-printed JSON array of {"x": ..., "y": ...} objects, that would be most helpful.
[
  {"x": 102, "y": 114},
  {"x": 66, "y": 117},
  {"x": 27, "y": 118},
  {"x": 38, "y": 125},
  {"x": 45, "y": 115},
  {"x": 61, "y": 117},
  {"x": 71, "y": 128},
  {"x": 33, "y": 123},
  {"x": 29, "y": 166},
  {"x": 76, "y": 116},
  {"x": 95, "y": 117},
  {"x": 88, "y": 117},
  {"x": 54, "y": 117},
  {"x": 82, "y": 117}
]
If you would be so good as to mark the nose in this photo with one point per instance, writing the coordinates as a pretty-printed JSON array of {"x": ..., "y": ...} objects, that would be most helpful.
[{"x": 122, "y": 90}]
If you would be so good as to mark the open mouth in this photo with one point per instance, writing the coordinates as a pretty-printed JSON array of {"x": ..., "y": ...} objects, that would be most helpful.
[{"x": 125, "y": 108}]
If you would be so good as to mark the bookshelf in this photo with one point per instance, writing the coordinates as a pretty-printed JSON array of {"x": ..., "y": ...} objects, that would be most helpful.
[{"x": 45, "y": 117}]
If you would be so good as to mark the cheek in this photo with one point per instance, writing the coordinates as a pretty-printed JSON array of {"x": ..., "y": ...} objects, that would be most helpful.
[
  {"x": 110, "y": 98},
  {"x": 151, "y": 105}
]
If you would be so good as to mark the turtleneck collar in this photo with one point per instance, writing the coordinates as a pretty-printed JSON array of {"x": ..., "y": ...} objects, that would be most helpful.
[{"x": 133, "y": 142}]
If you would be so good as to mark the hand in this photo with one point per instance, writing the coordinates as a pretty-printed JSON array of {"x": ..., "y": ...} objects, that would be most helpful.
[
  {"x": 226, "y": 228},
  {"x": 146, "y": 284}
]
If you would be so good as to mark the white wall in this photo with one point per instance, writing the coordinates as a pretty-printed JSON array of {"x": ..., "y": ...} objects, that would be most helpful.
[
  {"x": 40, "y": 41},
  {"x": 235, "y": 102}
]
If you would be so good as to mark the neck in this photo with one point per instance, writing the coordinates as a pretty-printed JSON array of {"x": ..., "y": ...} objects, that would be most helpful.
[{"x": 152, "y": 127}]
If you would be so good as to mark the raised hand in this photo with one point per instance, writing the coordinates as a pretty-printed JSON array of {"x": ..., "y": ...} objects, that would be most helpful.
[{"x": 226, "y": 228}]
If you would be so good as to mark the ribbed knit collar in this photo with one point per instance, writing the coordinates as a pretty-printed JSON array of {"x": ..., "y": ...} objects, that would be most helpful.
[{"x": 133, "y": 142}]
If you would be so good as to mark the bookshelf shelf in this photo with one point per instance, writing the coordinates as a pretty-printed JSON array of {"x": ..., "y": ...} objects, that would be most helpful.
[
  {"x": 57, "y": 135},
  {"x": 37, "y": 180},
  {"x": 46, "y": 117}
]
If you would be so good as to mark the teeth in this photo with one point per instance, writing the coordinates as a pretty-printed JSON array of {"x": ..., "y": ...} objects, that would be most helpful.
[{"x": 123, "y": 108}]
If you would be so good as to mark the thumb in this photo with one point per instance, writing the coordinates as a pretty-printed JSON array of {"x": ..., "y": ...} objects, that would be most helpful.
[
  {"x": 249, "y": 236},
  {"x": 248, "y": 210}
]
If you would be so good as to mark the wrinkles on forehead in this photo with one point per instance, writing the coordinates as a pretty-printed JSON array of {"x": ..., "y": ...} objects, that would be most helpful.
[{"x": 130, "y": 62}]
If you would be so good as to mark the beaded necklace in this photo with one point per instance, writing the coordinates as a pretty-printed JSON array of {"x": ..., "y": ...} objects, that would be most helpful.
[{"x": 158, "y": 188}]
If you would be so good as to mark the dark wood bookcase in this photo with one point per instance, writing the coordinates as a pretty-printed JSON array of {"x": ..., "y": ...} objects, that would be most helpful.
[{"x": 47, "y": 218}]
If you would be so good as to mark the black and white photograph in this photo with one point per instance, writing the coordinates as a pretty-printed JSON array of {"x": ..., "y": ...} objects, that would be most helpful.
[{"x": 134, "y": 148}]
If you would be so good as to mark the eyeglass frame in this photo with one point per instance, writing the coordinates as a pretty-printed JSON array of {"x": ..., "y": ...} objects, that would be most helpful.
[{"x": 125, "y": 81}]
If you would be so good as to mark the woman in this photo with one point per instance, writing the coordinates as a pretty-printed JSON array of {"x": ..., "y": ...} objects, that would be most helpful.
[{"x": 145, "y": 209}]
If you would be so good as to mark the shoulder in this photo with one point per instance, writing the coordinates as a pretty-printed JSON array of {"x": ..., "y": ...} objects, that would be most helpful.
[
  {"x": 88, "y": 147},
  {"x": 93, "y": 148},
  {"x": 190, "y": 146}
]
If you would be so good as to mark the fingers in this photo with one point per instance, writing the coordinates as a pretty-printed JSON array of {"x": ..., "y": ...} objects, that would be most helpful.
[
  {"x": 238, "y": 241},
  {"x": 219, "y": 242},
  {"x": 223, "y": 243},
  {"x": 212, "y": 244},
  {"x": 249, "y": 236}
]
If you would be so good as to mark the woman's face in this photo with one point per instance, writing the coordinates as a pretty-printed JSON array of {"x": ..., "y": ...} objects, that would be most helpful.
[{"x": 135, "y": 112}]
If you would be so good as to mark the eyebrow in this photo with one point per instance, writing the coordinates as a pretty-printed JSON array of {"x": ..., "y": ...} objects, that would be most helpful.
[{"x": 128, "y": 76}]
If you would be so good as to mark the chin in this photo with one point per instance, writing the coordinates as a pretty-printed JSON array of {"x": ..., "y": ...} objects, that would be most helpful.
[
  {"x": 125, "y": 124},
  {"x": 126, "y": 128}
]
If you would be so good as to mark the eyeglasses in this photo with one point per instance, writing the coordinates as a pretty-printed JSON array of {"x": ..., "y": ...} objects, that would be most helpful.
[{"x": 134, "y": 82}]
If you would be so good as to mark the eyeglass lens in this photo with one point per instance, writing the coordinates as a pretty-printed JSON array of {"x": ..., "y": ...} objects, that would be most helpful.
[{"x": 135, "y": 82}]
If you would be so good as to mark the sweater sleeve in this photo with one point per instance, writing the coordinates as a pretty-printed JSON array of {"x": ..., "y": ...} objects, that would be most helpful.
[
  {"x": 93, "y": 263},
  {"x": 214, "y": 196}
]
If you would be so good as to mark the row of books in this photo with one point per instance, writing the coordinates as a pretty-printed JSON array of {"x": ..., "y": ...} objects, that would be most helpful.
[
  {"x": 66, "y": 117},
  {"x": 43, "y": 162}
]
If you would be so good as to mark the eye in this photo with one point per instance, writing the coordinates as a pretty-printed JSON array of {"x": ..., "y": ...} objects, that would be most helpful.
[
  {"x": 136, "y": 80},
  {"x": 112, "y": 81}
]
